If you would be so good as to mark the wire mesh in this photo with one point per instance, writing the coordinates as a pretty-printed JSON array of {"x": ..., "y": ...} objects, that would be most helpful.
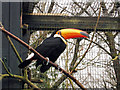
[{"x": 99, "y": 67}]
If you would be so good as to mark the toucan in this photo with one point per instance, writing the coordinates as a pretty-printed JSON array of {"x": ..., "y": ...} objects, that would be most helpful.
[{"x": 52, "y": 47}]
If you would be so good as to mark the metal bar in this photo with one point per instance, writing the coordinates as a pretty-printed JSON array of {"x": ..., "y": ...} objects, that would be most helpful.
[{"x": 53, "y": 22}]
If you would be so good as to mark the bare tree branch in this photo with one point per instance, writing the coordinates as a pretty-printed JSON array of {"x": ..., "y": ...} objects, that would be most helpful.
[
  {"x": 83, "y": 9},
  {"x": 51, "y": 7},
  {"x": 93, "y": 11},
  {"x": 64, "y": 9},
  {"x": 104, "y": 8},
  {"x": 101, "y": 47},
  {"x": 102, "y": 38},
  {"x": 39, "y": 8}
]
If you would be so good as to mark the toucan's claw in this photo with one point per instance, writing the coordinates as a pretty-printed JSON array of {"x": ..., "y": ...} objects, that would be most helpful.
[{"x": 47, "y": 61}]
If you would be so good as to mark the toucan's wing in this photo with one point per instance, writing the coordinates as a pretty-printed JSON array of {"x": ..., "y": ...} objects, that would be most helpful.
[
  {"x": 49, "y": 48},
  {"x": 25, "y": 63}
]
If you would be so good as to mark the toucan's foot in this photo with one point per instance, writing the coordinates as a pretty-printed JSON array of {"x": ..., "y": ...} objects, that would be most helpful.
[{"x": 47, "y": 61}]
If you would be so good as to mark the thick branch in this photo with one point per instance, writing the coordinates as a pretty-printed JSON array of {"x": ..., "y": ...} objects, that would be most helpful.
[
  {"x": 110, "y": 38},
  {"x": 75, "y": 54}
]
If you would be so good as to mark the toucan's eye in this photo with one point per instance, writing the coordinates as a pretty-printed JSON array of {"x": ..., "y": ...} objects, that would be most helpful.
[{"x": 59, "y": 33}]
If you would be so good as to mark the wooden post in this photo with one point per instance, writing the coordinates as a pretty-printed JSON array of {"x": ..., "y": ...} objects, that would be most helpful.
[
  {"x": 0, "y": 43},
  {"x": 11, "y": 21}
]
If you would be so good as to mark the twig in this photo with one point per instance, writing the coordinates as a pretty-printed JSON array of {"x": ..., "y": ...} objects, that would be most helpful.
[
  {"x": 39, "y": 8},
  {"x": 20, "y": 78},
  {"x": 93, "y": 11},
  {"x": 36, "y": 81},
  {"x": 88, "y": 62},
  {"x": 116, "y": 34},
  {"x": 33, "y": 50},
  {"x": 15, "y": 50},
  {"x": 71, "y": 83},
  {"x": 100, "y": 47},
  {"x": 103, "y": 38},
  {"x": 25, "y": 78},
  {"x": 64, "y": 9},
  {"x": 83, "y": 9},
  {"x": 5, "y": 67}
]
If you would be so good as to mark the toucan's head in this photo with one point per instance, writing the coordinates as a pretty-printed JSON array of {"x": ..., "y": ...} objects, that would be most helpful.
[{"x": 72, "y": 33}]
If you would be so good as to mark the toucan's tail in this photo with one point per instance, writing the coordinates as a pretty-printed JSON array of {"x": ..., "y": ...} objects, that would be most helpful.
[
  {"x": 28, "y": 61},
  {"x": 25, "y": 63}
]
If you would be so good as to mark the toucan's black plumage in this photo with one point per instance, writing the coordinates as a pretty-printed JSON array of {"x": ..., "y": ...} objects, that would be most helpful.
[{"x": 52, "y": 47}]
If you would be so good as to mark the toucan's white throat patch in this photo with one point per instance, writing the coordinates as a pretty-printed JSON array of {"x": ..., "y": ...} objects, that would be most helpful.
[{"x": 57, "y": 35}]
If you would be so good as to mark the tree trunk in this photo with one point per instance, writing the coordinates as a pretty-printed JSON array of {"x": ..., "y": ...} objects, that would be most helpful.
[{"x": 113, "y": 51}]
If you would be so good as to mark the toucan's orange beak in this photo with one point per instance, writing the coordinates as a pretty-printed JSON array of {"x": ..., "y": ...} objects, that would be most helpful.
[{"x": 72, "y": 33}]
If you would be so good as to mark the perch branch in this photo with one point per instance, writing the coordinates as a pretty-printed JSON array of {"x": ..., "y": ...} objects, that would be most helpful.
[{"x": 33, "y": 50}]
